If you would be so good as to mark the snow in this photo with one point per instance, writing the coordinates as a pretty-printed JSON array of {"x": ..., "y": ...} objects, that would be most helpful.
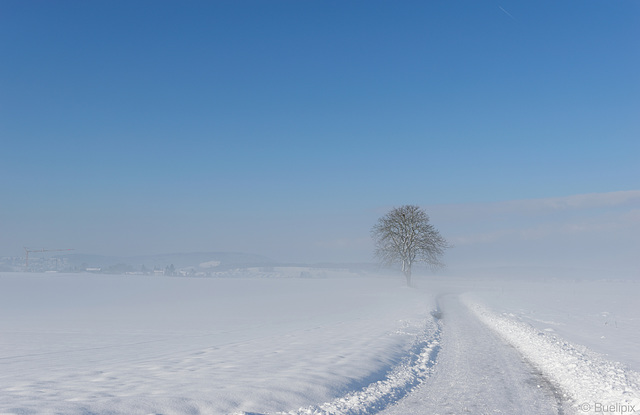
[
  {"x": 209, "y": 264},
  {"x": 85, "y": 343}
]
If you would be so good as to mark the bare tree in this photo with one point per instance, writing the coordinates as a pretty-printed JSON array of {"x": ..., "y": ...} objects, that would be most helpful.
[{"x": 405, "y": 236}]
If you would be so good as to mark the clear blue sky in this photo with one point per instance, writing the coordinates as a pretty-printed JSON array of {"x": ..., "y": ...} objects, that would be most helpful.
[{"x": 278, "y": 126}]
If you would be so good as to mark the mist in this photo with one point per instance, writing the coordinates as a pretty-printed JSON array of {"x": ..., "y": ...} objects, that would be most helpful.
[
  {"x": 594, "y": 234},
  {"x": 591, "y": 233}
]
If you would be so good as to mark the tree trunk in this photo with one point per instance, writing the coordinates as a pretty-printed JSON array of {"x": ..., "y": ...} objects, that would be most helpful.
[{"x": 407, "y": 274}]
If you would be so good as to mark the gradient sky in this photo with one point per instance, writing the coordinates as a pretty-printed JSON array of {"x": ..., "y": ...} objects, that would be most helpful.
[{"x": 285, "y": 128}]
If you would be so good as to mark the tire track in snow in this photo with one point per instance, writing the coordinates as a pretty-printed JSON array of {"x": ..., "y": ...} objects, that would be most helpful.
[{"x": 561, "y": 399}]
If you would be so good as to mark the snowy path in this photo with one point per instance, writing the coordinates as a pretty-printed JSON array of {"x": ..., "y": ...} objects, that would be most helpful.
[{"x": 478, "y": 373}]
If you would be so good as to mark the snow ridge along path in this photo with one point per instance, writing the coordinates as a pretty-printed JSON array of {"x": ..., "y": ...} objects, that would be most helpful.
[
  {"x": 592, "y": 383},
  {"x": 400, "y": 381}
]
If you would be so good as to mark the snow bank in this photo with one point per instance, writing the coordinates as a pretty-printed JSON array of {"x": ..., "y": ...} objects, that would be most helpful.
[
  {"x": 601, "y": 314},
  {"x": 404, "y": 378},
  {"x": 591, "y": 382}
]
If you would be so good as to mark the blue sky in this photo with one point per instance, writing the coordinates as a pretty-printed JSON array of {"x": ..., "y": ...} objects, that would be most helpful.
[{"x": 277, "y": 127}]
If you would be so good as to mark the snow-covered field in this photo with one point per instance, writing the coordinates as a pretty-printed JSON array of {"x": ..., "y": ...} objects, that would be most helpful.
[
  {"x": 130, "y": 344},
  {"x": 81, "y": 343}
]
